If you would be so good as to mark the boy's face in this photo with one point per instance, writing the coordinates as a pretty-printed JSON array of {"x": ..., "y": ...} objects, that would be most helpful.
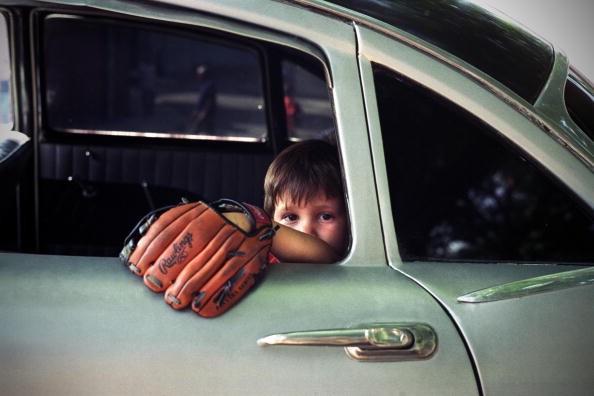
[{"x": 321, "y": 217}]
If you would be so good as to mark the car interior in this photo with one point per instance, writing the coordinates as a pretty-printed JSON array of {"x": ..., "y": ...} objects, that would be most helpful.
[{"x": 131, "y": 116}]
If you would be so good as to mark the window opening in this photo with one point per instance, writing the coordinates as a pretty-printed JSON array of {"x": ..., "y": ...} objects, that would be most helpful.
[{"x": 460, "y": 191}]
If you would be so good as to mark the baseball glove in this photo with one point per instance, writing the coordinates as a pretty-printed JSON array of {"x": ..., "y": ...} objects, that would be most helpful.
[{"x": 197, "y": 256}]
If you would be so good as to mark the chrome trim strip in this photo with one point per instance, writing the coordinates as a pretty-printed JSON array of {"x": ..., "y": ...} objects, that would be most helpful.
[
  {"x": 168, "y": 135},
  {"x": 527, "y": 287},
  {"x": 487, "y": 82}
]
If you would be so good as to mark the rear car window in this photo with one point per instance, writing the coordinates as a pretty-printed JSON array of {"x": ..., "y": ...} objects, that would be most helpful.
[
  {"x": 460, "y": 191},
  {"x": 106, "y": 77},
  {"x": 579, "y": 100}
]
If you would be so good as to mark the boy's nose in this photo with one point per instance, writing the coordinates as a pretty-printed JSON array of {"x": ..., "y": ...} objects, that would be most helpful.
[{"x": 308, "y": 228}]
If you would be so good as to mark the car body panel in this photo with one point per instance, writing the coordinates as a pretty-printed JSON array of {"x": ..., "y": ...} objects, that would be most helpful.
[
  {"x": 99, "y": 330},
  {"x": 521, "y": 343},
  {"x": 75, "y": 325},
  {"x": 502, "y": 352}
]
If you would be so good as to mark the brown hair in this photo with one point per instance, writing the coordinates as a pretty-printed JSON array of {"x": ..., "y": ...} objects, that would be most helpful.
[{"x": 302, "y": 171}]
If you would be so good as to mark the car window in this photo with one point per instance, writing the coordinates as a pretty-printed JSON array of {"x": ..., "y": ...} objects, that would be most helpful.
[
  {"x": 579, "y": 100},
  {"x": 460, "y": 191},
  {"x": 6, "y": 122},
  {"x": 122, "y": 78},
  {"x": 104, "y": 75},
  {"x": 307, "y": 105}
]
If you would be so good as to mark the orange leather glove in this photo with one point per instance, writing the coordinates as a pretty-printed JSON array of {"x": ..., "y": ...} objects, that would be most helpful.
[{"x": 197, "y": 256}]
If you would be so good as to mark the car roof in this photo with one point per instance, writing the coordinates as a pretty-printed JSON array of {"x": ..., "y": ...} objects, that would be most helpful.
[{"x": 482, "y": 37}]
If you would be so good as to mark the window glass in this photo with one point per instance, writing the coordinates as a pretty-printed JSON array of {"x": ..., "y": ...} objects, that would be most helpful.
[
  {"x": 126, "y": 79},
  {"x": 460, "y": 191},
  {"x": 307, "y": 105},
  {"x": 5, "y": 92},
  {"x": 579, "y": 100}
]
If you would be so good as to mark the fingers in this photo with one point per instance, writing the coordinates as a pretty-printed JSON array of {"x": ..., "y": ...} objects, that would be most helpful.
[
  {"x": 218, "y": 252},
  {"x": 222, "y": 292},
  {"x": 223, "y": 279},
  {"x": 202, "y": 257},
  {"x": 203, "y": 234},
  {"x": 161, "y": 234}
]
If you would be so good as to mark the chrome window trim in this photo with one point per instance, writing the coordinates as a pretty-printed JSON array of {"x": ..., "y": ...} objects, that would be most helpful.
[
  {"x": 166, "y": 135},
  {"x": 531, "y": 286}
]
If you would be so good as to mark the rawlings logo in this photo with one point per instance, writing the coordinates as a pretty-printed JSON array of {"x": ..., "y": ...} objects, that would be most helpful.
[{"x": 177, "y": 256}]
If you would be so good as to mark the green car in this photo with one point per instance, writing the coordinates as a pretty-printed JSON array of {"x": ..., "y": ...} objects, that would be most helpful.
[{"x": 467, "y": 154}]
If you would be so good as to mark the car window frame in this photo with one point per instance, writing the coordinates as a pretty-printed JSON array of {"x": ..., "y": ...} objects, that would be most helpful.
[
  {"x": 335, "y": 48},
  {"x": 515, "y": 127}
]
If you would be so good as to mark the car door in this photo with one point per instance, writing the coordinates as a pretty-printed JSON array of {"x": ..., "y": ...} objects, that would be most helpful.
[
  {"x": 487, "y": 211},
  {"x": 86, "y": 325}
]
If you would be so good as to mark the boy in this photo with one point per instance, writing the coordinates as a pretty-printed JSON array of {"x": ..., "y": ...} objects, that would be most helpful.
[{"x": 304, "y": 196}]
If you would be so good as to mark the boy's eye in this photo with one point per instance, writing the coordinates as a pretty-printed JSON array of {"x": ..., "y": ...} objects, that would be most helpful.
[
  {"x": 326, "y": 216},
  {"x": 290, "y": 217}
]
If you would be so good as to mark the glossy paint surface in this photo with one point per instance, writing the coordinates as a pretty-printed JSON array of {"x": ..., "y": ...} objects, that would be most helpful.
[{"x": 497, "y": 46}]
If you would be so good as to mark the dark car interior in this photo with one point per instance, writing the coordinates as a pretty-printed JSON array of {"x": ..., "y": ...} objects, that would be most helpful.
[{"x": 122, "y": 116}]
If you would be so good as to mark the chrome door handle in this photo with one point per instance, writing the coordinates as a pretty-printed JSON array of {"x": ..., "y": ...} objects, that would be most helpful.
[{"x": 367, "y": 342}]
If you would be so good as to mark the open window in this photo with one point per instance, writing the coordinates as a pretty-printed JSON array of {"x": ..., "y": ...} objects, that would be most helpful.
[{"x": 137, "y": 114}]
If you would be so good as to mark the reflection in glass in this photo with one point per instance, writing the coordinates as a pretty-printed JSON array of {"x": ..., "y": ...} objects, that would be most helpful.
[
  {"x": 460, "y": 192},
  {"x": 307, "y": 105},
  {"x": 104, "y": 76}
]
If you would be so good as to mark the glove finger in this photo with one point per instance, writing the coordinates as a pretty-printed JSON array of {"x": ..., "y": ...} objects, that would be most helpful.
[
  {"x": 213, "y": 301},
  {"x": 180, "y": 251},
  {"x": 164, "y": 216},
  {"x": 161, "y": 233},
  {"x": 225, "y": 247},
  {"x": 229, "y": 284}
]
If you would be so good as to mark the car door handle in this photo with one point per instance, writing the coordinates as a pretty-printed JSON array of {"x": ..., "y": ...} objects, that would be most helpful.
[{"x": 367, "y": 342}]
